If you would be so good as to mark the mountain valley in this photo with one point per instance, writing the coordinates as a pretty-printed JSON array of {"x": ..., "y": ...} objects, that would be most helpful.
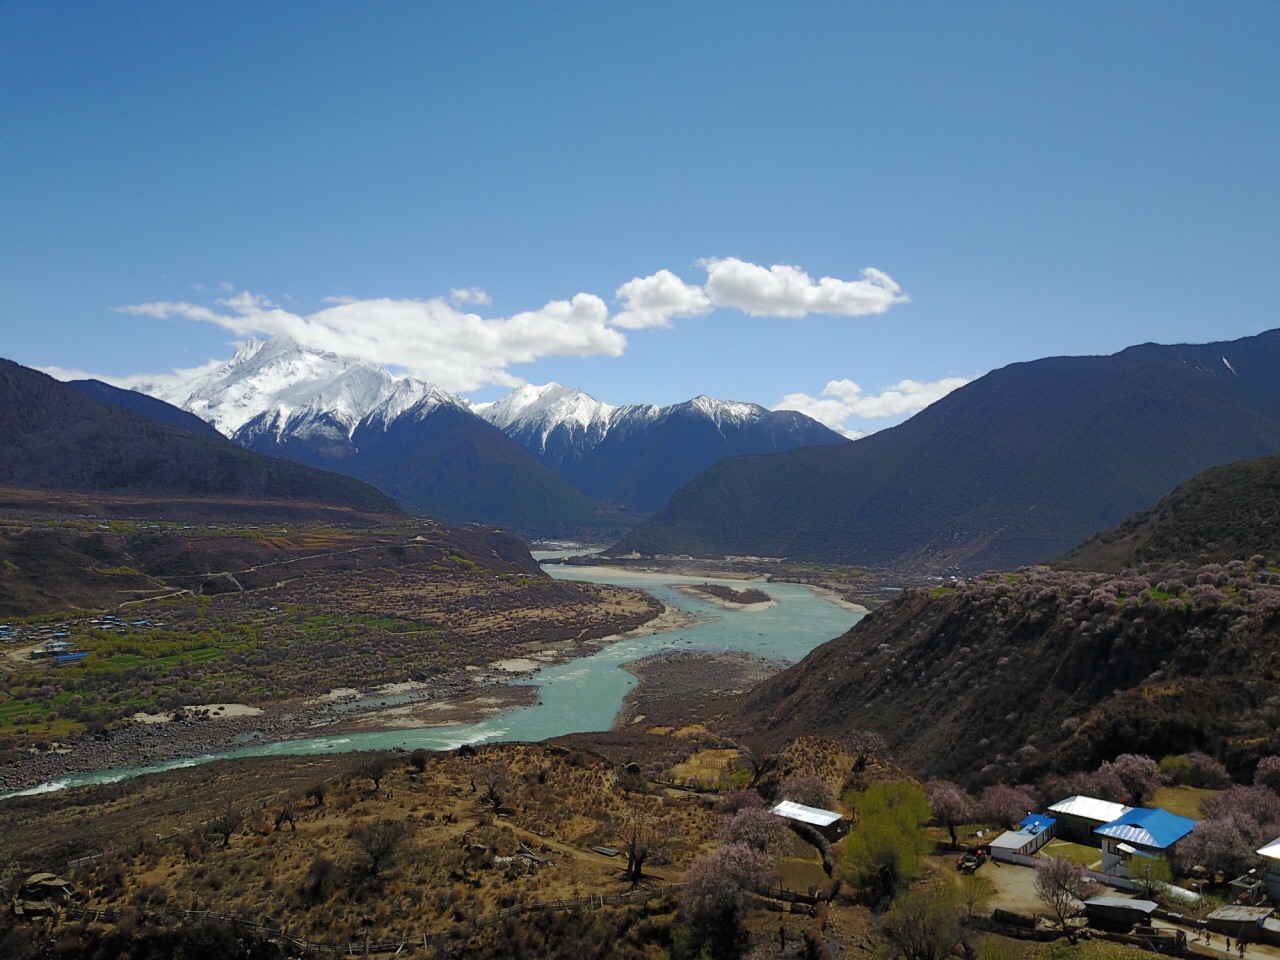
[{"x": 546, "y": 461}]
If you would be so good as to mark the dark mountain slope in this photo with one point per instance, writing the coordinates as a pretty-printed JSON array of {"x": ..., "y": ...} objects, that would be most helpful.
[
  {"x": 145, "y": 405},
  {"x": 456, "y": 466},
  {"x": 644, "y": 458},
  {"x": 1015, "y": 675},
  {"x": 1225, "y": 513},
  {"x": 60, "y": 566},
  {"x": 1015, "y": 467},
  {"x": 54, "y": 437}
]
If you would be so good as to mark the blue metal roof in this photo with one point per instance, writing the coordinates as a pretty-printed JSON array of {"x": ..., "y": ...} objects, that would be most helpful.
[
  {"x": 1038, "y": 821},
  {"x": 1155, "y": 828}
]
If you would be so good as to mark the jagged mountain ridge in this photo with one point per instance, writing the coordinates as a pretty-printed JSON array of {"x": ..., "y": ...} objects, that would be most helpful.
[
  {"x": 278, "y": 387},
  {"x": 416, "y": 442},
  {"x": 1013, "y": 468},
  {"x": 543, "y": 460},
  {"x": 637, "y": 455}
]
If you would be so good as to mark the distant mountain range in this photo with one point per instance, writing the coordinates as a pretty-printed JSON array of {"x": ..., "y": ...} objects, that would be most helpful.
[
  {"x": 547, "y": 461},
  {"x": 54, "y": 437},
  {"x": 637, "y": 455},
  {"x": 1015, "y": 467}
]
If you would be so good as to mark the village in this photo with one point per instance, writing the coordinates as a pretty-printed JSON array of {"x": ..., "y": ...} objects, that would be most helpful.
[{"x": 640, "y": 836}]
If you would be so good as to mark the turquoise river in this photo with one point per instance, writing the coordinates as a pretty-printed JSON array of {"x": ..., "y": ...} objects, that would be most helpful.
[{"x": 583, "y": 694}]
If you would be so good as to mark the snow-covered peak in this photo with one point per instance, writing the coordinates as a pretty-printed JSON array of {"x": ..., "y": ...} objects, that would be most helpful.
[
  {"x": 415, "y": 398},
  {"x": 721, "y": 412},
  {"x": 546, "y": 407},
  {"x": 289, "y": 382}
]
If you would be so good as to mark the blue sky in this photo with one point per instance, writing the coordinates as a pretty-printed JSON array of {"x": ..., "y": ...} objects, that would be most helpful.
[{"x": 1035, "y": 179}]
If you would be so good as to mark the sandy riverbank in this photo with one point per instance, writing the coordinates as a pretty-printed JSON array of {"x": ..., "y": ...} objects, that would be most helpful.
[
  {"x": 692, "y": 591},
  {"x": 677, "y": 688},
  {"x": 831, "y": 596},
  {"x": 464, "y": 697}
]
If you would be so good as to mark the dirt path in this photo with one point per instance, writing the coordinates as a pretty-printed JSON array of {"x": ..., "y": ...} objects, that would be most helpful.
[{"x": 618, "y": 863}]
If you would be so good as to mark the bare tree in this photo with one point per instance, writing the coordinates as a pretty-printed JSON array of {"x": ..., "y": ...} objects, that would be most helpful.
[
  {"x": 226, "y": 822},
  {"x": 923, "y": 924},
  {"x": 975, "y": 891},
  {"x": 643, "y": 835},
  {"x": 495, "y": 780},
  {"x": 374, "y": 769},
  {"x": 380, "y": 840},
  {"x": 1061, "y": 885},
  {"x": 288, "y": 814}
]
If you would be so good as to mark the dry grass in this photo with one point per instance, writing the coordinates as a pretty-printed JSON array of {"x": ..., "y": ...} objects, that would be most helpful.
[
  {"x": 1184, "y": 801},
  {"x": 1075, "y": 852},
  {"x": 315, "y": 880}
]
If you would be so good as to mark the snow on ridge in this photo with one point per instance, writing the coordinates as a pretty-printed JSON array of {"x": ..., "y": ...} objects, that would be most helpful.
[
  {"x": 540, "y": 410},
  {"x": 722, "y": 411},
  {"x": 293, "y": 383},
  {"x": 414, "y": 398}
]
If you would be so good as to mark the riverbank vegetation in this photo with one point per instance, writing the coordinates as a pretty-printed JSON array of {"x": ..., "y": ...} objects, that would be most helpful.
[{"x": 276, "y": 615}]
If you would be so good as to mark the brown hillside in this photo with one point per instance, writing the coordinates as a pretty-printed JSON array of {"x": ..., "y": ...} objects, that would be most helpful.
[{"x": 1014, "y": 674}]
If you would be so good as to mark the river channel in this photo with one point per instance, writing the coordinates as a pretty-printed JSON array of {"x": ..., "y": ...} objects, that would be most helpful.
[{"x": 584, "y": 694}]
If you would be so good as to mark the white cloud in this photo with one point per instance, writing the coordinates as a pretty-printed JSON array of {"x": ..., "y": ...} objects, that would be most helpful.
[
  {"x": 439, "y": 340},
  {"x": 782, "y": 291},
  {"x": 430, "y": 339},
  {"x": 470, "y": 295},
  {"x": 844, "y": 399},
  {"x": 653, "y": 301},
  {"x": 133, "y": 381},
  {"x": 64, "y": 374}
]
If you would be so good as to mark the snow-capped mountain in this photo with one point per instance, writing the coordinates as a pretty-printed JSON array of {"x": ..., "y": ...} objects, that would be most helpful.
[
  {"x": 407, "y": 437},
  {"x": 279, "y": 388},
  {"x": 542, "y": 459},
  {"x": 637, "y": 455}
]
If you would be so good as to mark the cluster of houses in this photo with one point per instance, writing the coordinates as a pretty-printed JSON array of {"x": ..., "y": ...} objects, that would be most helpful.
[
  {"x": 1122, "y": 832},
  {"x": 56, "y": 647}
]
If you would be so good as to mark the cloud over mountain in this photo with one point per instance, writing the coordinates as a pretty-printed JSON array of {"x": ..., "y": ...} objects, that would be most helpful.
[
  {"x": 842, "y": 399},
  {"x": 439, "y": 340}
]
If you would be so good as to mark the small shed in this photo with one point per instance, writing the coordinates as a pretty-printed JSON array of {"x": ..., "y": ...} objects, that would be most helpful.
[
  {"x": 1034, "y": 832},
  {"x": 1079, "y": 816},
  {"x": 1238, "y": 921},
  {"x": 1118, "y": 913},
  {"x": 827, "y": 822}
]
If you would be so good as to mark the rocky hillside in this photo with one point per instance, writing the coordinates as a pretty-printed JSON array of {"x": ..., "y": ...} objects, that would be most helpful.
[
  {"x": 1013, "y": 468},
  {"x": 1013, "y": 675},
  {"x": 1225, "y": 513}
]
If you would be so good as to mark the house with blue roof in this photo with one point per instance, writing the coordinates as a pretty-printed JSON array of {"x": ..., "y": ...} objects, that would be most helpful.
[
  {"x": 1141, "y": 832},
  {"x": 1019, "y": 846}
]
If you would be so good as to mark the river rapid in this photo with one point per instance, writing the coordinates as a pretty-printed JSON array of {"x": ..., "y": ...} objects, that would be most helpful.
[{"x": 579, "y": 695}]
